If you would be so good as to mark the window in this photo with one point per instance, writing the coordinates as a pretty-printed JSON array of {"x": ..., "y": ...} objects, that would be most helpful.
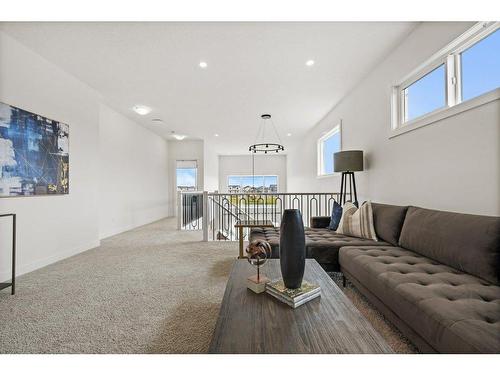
[
  {"x": 251, "y": 184},
  {"x": 186, "y": 175},
  {"x": 481, "y": 67},
  {"x": 425, "y": 95},
  {"x": 463, "y": 75},
  {"x": 328, "y": 144}
]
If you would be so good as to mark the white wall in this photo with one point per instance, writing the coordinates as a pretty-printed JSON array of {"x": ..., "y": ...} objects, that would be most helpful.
[
  {"x": 134, "y": 175},
  {"x": 122, "y": 184},
  {"x": 211, "y": 151},
  {"x": 215, "y": 148},
  {"x": 184, "y": 150},
  {"x": 52, "y": 227},
  {"x": 242, "y": 165},
  {"x": 452, "y": 164}
]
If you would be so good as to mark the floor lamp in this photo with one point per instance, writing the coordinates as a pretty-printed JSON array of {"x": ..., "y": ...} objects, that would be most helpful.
[{"x": 348, "y": 162}]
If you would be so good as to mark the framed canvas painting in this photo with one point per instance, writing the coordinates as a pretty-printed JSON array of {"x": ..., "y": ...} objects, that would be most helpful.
[{"x": 34, "y": 154}]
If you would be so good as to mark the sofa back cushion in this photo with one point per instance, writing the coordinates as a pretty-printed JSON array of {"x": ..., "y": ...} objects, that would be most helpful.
[
  {"x": 470, "y": 243},
  {"x": 388, "y": 221}
]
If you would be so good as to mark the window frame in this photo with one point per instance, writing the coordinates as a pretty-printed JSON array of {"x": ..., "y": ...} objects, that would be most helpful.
[
  {"x": 450, "y": 56},
  {"x": 320, "y": 162}
]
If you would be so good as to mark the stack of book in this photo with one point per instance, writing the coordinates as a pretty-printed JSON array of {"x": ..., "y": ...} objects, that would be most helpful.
[{"x": 293, "y": 297}]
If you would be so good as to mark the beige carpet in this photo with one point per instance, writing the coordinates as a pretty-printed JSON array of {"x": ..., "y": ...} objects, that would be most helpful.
[{"x": 149, "y": 290}]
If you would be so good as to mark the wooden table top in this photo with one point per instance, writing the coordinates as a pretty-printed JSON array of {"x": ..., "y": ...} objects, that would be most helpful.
[
  {"x": 254, "y": 223},
  {"x": 259, "y": 323}
]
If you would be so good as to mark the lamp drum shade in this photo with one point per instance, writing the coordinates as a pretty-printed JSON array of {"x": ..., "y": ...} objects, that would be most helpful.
[{"x": 348, "y": 161}]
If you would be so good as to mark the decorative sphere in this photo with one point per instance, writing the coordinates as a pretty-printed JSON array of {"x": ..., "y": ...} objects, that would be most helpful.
[{"x": 258, "y": 252}]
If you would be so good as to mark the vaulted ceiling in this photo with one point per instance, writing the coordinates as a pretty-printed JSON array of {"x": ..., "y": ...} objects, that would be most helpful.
[{"x": 252, "y": 68}]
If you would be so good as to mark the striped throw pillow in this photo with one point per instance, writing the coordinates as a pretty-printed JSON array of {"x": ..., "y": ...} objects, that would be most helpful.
[{"x": 357, "y": 222}]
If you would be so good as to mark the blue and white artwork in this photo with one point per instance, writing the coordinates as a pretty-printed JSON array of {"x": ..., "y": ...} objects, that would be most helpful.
[{"x": 34, "y": 154}]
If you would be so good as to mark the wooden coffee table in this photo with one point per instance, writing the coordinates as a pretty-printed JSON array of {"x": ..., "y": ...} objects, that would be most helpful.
[{"x": 259, "y": 323}]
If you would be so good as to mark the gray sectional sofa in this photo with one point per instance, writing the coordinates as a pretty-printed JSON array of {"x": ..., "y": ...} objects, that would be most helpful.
[{"x": 434, "y": 274}]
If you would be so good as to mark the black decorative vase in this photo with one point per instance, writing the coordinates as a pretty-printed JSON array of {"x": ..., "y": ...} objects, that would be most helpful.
[{"x": 292, "y": 248}]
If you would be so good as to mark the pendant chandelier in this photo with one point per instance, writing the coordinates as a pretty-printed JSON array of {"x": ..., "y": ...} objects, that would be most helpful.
[{"x": 268, "y": 139}]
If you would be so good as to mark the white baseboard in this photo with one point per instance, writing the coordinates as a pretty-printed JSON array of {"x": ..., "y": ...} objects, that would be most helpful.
[{"x": 21, "y": 269}]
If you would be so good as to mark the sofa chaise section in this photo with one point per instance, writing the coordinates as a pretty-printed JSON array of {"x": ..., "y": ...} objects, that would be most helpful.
[
  {"x": 440, "y": 285},
  {"x": 452, "y": 311}
]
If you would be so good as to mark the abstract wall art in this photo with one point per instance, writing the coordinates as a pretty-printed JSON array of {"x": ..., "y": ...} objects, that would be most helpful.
[{"x": 34, "y": 154}]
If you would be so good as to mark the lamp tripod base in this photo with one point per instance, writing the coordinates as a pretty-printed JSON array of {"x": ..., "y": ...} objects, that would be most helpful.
[{"x": 343, "y": 187}]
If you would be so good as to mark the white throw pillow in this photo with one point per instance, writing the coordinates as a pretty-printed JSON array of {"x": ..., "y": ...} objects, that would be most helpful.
[{"x": 357, "y": 222}]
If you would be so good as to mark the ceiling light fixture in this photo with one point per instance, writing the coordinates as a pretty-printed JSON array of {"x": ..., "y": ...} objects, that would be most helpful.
[
  {"x": 141, "y": 109},
  {"x": 157, "y": 121},
  {"x": 216, "y": 135},
  {"x": 179, "y": 137},
  {"x": 203, "y": 65},
  {"x": 267, "y": 143},
  {"x": 288, "y": 134},
  {"x": 310, "y": 62}
]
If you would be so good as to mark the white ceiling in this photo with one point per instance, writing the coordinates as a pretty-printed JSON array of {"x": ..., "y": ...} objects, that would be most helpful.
[{"x": 253, "y": 68}]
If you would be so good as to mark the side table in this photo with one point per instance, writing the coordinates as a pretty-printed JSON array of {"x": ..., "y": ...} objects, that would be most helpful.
[{"x": 12, "y": 283}]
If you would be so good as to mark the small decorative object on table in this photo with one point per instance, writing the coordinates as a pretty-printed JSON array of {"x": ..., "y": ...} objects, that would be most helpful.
[
  {"x": 257, "y": 254},
  {"x": 293, "y": 297}
]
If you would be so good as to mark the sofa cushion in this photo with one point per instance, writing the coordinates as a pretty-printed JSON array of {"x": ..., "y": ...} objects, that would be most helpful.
[
  {"x": 357, "y": 222},
  {"x": 335, "y": 216},
  {"x": 388, "y": 221},
  {"x": 322, "y": 244},
  {"x": 320, "y": 221},
  {"x": 470, "y": 243},
  {"x": 453, "y": 311}
]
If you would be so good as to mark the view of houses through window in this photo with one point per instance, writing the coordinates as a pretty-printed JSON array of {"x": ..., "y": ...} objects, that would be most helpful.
[{"x": 252, "y": 184}]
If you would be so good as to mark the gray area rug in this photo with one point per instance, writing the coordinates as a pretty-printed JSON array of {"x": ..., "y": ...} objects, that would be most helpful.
[
  {"x": 396, "y": 340},
  {"x": 150, "y": 290}
]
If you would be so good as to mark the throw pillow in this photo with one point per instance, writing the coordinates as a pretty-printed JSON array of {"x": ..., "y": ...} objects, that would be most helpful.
[
  {"x": 357, "y": 222},
  {"x": 336, "y": 216}
]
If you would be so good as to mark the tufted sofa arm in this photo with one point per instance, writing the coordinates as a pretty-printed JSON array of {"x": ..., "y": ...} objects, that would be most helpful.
[{"x": 320, "y": 221}]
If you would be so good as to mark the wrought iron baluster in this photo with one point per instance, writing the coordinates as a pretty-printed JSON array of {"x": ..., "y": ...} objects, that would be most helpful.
[
  {"x": 259, "y": 200},
  {"x": 212, "y": 221}
]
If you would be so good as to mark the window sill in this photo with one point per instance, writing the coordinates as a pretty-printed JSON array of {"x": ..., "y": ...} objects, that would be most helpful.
[{"x": 446, "y": 112}]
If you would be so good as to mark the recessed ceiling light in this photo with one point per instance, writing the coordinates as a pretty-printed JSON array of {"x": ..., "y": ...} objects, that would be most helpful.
[
  {"x": 288, "y": 134},
  {"x": 310, "y": 62},
  {"x": 141, "y": 109},
  {"x": 216, "y": 135},
  {"x": 179, "y": 137},
  {"x": 203, "y": 65}
]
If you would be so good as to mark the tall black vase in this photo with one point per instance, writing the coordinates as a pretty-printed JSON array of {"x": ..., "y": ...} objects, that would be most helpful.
[{"x": 292, "y": 248}]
